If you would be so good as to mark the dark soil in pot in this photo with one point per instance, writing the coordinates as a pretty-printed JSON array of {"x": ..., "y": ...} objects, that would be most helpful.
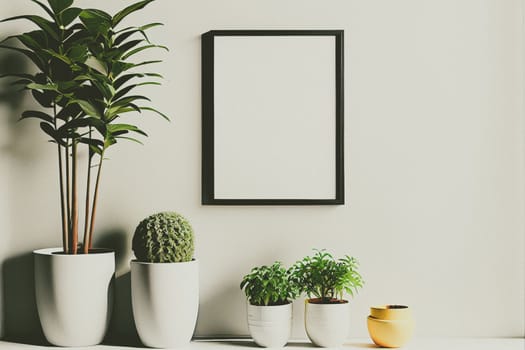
[{"x": 329, "y": 301}]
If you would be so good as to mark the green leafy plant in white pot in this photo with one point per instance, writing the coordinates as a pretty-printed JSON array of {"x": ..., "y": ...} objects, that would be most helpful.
[
  {"x": 164, "y": 281},
  {"x": 325, "y": 280},
  {"x": 270, "y": 292},
  {"x": 83, "y": 81}
]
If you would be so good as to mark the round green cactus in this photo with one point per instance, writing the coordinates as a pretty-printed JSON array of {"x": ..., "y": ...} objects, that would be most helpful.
[{"x": 164, "y": 238}]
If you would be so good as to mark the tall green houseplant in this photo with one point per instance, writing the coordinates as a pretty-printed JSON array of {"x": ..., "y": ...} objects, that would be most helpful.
[{"x": 85, "y": 80}]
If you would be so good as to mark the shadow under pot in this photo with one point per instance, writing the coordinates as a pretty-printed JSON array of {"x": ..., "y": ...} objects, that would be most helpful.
[
  {"x": 390, "y": 326},
  {"x": 327, "y": 325},
  {"x": 74, "y": 295},
  {"x": 270, "y": 326},
  {"x": 165, "y": 300}
]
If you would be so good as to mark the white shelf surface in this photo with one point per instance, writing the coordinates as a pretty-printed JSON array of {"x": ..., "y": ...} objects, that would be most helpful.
[{"x": 242, "y": 344}]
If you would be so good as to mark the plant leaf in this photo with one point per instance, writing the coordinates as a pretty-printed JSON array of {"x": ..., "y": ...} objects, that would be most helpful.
[
  {"x": 35, "y": 40},
  {"x": 142, "y": 48},
  {"x": 69, "y": 15},
  {"x": 144, "y": 27},
  {"x": 119, "y": 67},
  {"x": 37, "y": 114},
  {"x": 59, "y": 5},
  {"x": 78, "y": 53},
  {"x": 132, "y": 30},
  {"x": 128, "y": 10},
  {"x": 49, "y": 12},
  {"x": 130, "y": 139},
  {"x": 88, "y": 108},
  {"x": 106, "y": 89},
  {"x": 126, "y": 100},
  {"x": 129, "y": 45},
  {"x": 35, "y": 86},
  {"x": 63, "y": 58},
  {"x": 79, "y": 123},
  {"x": 50, "y": 131},
  {"x": 115, "y": 128},
  {"x": 150, "y": 25},
  {"x": 45, "y": 99},
  {"x": 69, "y": 111},
  {"x": 96, "y": 150},
  {"x": 155, "y": 111},
  {"x": 145, "y": 63},
  {"x": 91, "y": 141},
  {"x": 125, "y": 78},
  {"x": 49, "y": 27},
  {"x": 127, "y": 89},
  {"x": 120, "y": 38},
  {"x": 96, "y": 21}
]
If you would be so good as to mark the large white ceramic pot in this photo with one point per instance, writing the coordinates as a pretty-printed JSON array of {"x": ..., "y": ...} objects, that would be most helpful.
[
  {"x": 327, "y": 325},
  {"x": 74, "y": 295},
  {"x": 270, "y": 326},
  {"x": 165, "y": 299}
]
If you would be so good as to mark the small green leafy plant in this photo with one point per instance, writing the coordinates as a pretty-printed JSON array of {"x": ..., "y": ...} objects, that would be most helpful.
[
  {"x": 269, "y": 285},
  {"x": 85, "y": 80},
  {"x": 324, "y": 278},
  {"x": 164, "y": 238}
]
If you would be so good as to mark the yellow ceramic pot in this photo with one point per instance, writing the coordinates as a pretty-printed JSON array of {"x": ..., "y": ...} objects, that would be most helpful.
[{"x": 390, "y": 326}]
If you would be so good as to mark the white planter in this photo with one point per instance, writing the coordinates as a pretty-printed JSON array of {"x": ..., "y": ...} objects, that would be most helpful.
[
  {"x": 270, "y": 326},
  {"x": 327, "y": 325},
  {"x": 74, "y": 295},
  {"x": 165, "y": 298}
]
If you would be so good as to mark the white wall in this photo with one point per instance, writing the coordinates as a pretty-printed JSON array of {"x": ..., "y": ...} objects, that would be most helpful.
[{"x": 433, "y": 151}]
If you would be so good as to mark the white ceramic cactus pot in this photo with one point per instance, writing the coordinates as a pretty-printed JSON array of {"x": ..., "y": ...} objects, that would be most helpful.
[
  {"x": 74, "y": 295},
  {"x": 165, "y": 299},
  {"x": 270, "y": 326},
  {"x": 327, "y": 325}
]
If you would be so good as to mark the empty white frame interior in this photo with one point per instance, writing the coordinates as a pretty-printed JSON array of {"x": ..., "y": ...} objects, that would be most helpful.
[{"x": 274, "y": 117}]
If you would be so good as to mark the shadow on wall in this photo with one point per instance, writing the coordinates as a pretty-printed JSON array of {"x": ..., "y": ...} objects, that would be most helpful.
[
  {"x": 212, "y": 311},
  {"x": 17, "y": 139},
  {"x": 223, "y": 312},
  {"x": 19, "y": 316},
  {"x": 117, "y": 240},
  {"x": 122, "y": 329},
  {"x": 21, "y": 323},
  {"x": 10, "y": 96}
]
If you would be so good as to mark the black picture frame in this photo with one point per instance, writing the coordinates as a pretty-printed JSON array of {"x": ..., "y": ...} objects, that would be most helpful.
[{"x": 208, "y": 120}]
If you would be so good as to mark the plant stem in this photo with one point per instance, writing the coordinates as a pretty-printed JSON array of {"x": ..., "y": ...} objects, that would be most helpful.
[
  {"x": 65, "y": 243},
  {"x": 95, "y": 198},
  {"x": 324, "y": 293},
  {"x": 68, "y": 197},
  {"x": 74, "y": 200},
  {"x": 86, "y": 214}
]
